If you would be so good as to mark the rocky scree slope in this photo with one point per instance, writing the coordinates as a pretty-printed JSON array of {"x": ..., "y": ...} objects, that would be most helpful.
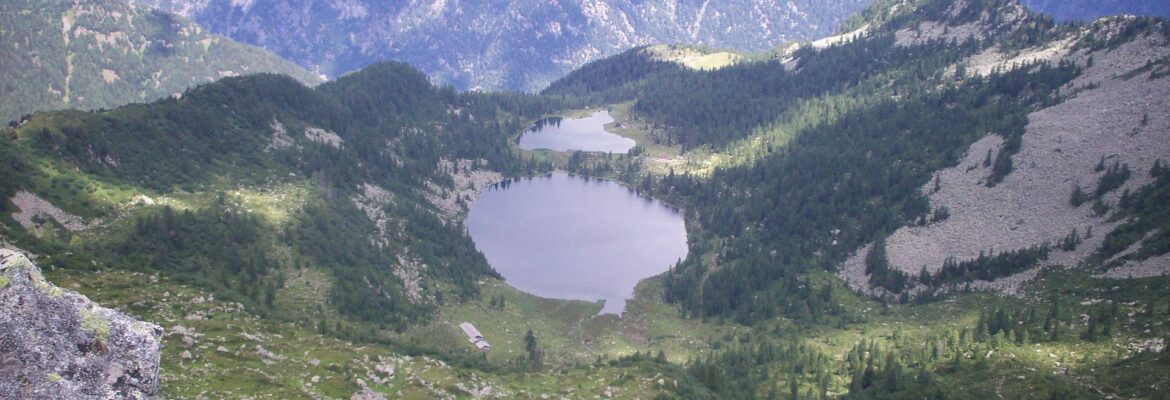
[
  {"x": 1093, "y": 9},
  {"x": 55, "y": 343},
  {"x": 102, "y": 54},
  {"x": 1115, "y": 112}
]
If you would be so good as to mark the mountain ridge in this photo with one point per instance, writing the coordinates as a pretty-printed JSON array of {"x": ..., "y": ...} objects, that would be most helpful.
[
  {"x": 90, "y": 55},
  {"x": 519, "y": 45},
  {"x": 486, "y": 43}
]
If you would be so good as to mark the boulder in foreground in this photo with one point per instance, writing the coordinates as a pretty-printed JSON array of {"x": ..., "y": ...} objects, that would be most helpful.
[{"x": 57, "y": 344}]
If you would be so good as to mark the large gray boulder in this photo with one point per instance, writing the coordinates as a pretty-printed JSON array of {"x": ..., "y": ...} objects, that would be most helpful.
[{"x": 57, "y": 344}]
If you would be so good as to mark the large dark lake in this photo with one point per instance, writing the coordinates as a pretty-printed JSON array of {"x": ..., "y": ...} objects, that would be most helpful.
[
  {"x": 571, "y": 237},
  {"x": 587, "y": 134}
]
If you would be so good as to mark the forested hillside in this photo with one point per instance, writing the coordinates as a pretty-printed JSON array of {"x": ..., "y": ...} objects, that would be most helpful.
[
  {"x": 931, "y": 152},
  {"x": 103, "y": 54},
  {"x": 859, "y": 128},
  {"x": 335, "y": 158},
  {"x": 951, "y": 199}
]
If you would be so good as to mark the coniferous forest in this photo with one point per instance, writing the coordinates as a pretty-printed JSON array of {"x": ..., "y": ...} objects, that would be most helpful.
[
  {"x": 310, "y": 241},
  {"x": 395, "y": 127}
]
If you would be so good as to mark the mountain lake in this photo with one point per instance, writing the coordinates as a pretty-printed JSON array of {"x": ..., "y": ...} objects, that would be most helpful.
[
  {"x": 573, "y": 237},
  {"x": 566, "y": 134}
]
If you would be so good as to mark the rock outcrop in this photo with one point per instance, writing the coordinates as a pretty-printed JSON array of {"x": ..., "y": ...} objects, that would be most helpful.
[
  {"x": 57, "y": 344},
  {"x": 1113, "y": 112}
]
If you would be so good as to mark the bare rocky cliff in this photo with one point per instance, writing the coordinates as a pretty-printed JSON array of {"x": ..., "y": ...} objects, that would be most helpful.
[{"x": 57, "y": 344}]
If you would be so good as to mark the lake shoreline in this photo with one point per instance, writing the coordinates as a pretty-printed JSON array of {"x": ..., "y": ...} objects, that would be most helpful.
[
  {"x": 568, "y": 134},
  {"x": 573, "y": 236}
]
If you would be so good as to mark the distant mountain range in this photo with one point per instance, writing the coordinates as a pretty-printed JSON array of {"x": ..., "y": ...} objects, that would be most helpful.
[
  {"x": 525, "y": 44},
  {"x": 103, "y": 54},
  {"x": 514, "y": 44},
  {"x": 87, "y": 55},
  {"x": 1065, "y": 10}
]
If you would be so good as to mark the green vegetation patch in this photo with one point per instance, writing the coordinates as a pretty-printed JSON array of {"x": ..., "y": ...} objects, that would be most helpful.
[
  {"x": 693, "y": 57},
  {"x": 95, "y": 323}
]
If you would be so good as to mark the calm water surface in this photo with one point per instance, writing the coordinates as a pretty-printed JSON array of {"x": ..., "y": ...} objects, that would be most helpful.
[
  {"x": 571, "y": 237},
  {"x": 564, "y": 134}
]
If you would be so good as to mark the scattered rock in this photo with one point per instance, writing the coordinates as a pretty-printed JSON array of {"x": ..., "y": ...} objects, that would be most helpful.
[
  {"x": 1103, "y": 115},
  {"x": 55, "y": 343},
  {"x": 280, "y": 138},
  {"x": 367, "y": 394},
  {"x": 373, "y": 201},
  {"x": 142, "y": 200},
  {"x": 32, "y": 206},
  {"x": 323, "y": 136},
  {"x": 263, "y": 352},
  {"x": 468, "y": 183}
]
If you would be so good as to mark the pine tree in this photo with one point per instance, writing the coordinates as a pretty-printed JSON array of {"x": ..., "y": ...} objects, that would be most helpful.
[
  {"x": 531, "y": 348},
  {"x": 1001, "y": 322},
  {"x": 876, "y": 259},
  {"x": 1090, "y": 334},
  {"x": 892, "y": 373},
  {"x": 1078, "y": 196},
  {"x": 793, "y": 388},
  {"x": 981, "y": 330}
]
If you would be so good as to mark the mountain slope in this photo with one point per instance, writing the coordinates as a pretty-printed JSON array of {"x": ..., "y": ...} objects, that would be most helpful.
[
  {"x": 518, "y": 44},
  {"x": 942, "y": 148},
  {"x": 270, "y": 226},
  {"x": 266, "y": 178},
  {"x": 1109, "y": 119},
  {"x": 102, "y": 54},
  {"x": 1086, "y": 10},
  {"x": 299, "y": 241},
  {"x": 1021, "y": 96}
]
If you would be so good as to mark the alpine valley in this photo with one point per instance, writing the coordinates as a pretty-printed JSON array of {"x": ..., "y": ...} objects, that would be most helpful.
[{"x": 947, "y": 199}]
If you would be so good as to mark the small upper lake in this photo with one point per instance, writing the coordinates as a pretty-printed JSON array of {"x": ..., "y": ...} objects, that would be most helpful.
[
  {"x": 565, "y": 134},
  {"x": 571, "y": 237}
]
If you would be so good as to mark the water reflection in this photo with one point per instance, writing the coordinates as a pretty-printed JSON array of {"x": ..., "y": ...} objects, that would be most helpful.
[
  {"x": 574, "y": 237},
  {"x": 565, "y": 134}
]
